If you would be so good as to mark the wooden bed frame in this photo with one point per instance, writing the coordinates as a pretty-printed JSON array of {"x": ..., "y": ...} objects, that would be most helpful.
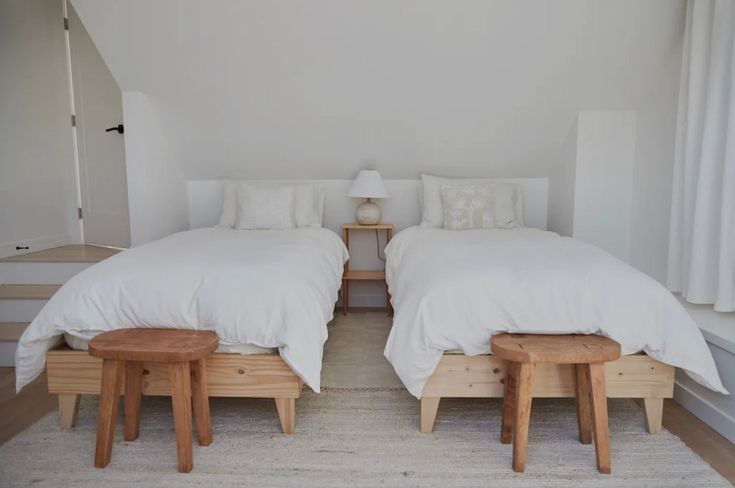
[
  {"x": 74, "y": 373},
  {"x": 635, "y": 376}
]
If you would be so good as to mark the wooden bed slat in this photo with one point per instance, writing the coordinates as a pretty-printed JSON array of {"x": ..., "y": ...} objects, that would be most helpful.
[
  {"x": 228, "y": 375},
  {"x": 635, "y": 376}
]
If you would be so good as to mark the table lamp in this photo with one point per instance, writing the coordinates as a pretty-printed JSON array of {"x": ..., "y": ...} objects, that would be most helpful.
[{"x": 368, "y": 184}]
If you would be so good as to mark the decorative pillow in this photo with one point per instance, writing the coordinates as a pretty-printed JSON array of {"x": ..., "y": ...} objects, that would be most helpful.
[
  {"x": 467, "y": 207},
  {"x": 228, "y": 218},
  {"x": 432, "y": 209},
  {"x": 265, "y": 208},
  {"x": 504, "y": 206},
  {"x": 308, "y": 203}
]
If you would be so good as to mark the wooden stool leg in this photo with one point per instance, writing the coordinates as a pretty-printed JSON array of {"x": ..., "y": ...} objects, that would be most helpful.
[
  {"x": 133, "y": 392},
  {"x": 107, "y": 415},
  {"x": 524, "y": 397},
  {"x": 599, "y": 416},
  {"x": 181, "y": 402},
  {"x": 582, "y": 399},
  {"x": 506, "y": 429},
  {"x": 200, "y": 399}
]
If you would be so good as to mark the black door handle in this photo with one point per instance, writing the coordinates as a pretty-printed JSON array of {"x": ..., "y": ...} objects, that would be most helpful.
[{"x": 120, "y": 129}]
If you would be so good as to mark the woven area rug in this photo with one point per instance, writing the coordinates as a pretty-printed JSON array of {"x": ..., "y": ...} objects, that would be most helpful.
[{"x": 354, "y": 438}]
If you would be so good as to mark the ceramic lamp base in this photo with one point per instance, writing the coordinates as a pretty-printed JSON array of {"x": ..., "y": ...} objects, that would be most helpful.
[{"x": 367, "y": 213}]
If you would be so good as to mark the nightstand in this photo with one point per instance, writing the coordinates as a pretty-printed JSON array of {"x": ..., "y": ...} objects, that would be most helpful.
[{"x": 350, "y": 275}]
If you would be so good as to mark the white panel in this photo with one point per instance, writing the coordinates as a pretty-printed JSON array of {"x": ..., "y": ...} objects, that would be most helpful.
[
  {"x": 713, "y": 408},
  {"x": 156, "y": 190},
  {"x": 604, "y": 180},
  {"x": 561, "y": 187}
]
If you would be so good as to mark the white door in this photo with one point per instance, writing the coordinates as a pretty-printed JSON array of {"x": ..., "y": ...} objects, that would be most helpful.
[{"x": 102, "y": 175}]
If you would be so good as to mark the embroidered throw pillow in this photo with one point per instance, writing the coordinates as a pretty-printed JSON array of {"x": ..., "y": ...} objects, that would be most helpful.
[{"x": 468, "y": 207}]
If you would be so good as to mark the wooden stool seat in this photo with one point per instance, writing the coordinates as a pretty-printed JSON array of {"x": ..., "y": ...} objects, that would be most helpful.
[
  {"x": 588, "y": 353},
  {"x": 153, "y": 345},
  {"x": 126, "y": 350},
  {"x": 558, "y": 349}
]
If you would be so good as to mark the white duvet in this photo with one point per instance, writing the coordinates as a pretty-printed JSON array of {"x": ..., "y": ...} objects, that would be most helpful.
[
  {"x": 455, "y": 289},
  {"x": 264, "y": 288}
]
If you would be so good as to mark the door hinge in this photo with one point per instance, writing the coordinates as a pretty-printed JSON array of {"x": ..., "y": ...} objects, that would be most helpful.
[
  {"x": 66, "y": 23},
  {"x": 73, "y": 120},
  {"x": 79, "y": 213}
]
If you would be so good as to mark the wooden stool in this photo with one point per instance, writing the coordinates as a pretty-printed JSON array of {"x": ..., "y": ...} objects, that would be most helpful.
[
  {"x": 588, "y": 353},
  {"x": 127, "y": 349}
]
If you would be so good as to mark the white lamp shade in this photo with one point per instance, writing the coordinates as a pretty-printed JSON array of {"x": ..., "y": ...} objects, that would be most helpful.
[{"x": 368, "y": 184}]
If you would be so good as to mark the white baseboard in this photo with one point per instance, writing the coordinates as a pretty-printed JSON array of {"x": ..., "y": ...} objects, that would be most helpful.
[
  {"x": 36, "y": 244},
  {"x": 704, "y": 410}
]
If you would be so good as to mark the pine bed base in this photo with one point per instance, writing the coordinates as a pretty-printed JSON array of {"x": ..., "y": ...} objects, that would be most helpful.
[
  {"x": 74, "y": 373},
  {"x": 634, "y": 376}
]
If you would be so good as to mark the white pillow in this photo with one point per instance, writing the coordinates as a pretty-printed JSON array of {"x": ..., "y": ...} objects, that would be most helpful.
[
  {"x": 308, "y": 203},
  {"x": 432, "y": 214},
  {"x": 265, "y": 208}
]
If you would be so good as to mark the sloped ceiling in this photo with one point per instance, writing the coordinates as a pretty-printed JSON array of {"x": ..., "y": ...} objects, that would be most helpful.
[{"x": 322, "y": 88}]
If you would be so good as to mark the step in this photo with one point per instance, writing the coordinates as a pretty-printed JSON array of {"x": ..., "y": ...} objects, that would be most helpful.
[
  {"x": 11, "y": 331},
  {"x": 27, "y": 292},
  {"x": 21, "y": 303},
  {"x": 75, "y": 253},
  {"x": 29, "y": 273},
  {"x": 7, "y": 354},
  {"x": 20, "y": 310},
  {"x": 52, "y": 266}
]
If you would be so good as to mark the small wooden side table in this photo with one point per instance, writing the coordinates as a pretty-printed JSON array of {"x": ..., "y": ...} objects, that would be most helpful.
[
  {"x": 123, "y": 352},
  {"x": 588, "y": 355},
  {"x": 350, "y": 275}
]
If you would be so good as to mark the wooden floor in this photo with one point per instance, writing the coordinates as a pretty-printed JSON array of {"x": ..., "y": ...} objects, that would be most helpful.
[
  {"x": 76, "y": 253},
  {"x": 19, "y": 411}
]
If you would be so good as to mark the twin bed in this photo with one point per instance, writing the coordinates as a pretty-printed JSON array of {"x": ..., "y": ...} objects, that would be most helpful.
[
  {"x": 451, "y": 291},
  {"x": 268, "y": 294}
]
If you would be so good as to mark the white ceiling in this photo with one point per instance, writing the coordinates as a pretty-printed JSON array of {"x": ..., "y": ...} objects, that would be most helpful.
[{"x": 323, "y": 88}]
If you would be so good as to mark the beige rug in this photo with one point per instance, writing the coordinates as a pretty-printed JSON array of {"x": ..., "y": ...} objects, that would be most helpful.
[
  {"x": 361, "y": 431},
  {"x": 354, "y": 438}
]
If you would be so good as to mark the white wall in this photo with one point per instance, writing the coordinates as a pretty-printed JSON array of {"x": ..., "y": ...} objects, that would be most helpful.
[
  {"x": 321, "y": 89},
  {"x": 603, "y": 189},
  {"x": 656, "y": 126},
  {"x": 37, "y": 183},
  {"x": 156, "y": 189},
  {"x": 591, "y": 187},
  {"x": 264, "y": 89}
]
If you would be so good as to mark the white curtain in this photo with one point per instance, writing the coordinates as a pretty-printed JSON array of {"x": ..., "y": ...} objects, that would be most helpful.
[{"x": 702, "y": 241}]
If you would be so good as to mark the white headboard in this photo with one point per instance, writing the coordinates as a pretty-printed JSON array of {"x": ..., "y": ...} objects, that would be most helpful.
[{"x": 402, "y": 209}]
